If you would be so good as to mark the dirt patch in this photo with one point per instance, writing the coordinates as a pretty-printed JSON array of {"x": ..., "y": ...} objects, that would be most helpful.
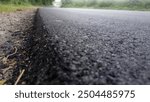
[{"x": 14, "y": 28}]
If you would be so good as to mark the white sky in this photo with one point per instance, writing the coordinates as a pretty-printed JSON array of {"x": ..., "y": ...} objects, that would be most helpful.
[{"x": 57, "y": 0}]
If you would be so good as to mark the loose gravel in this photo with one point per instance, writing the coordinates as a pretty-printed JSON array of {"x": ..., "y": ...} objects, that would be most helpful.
[{"x": 14, "y": 27}]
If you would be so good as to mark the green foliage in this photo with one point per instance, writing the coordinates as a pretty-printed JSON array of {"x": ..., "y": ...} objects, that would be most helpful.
[
  {"x": 13, "y": 5},
  {"x": 23, "y": 2},
  {"x": 105, "y": 4},
  {"x": 115, "y": 4}
]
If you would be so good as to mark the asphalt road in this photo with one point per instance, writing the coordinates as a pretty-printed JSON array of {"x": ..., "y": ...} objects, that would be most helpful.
[{"x": 85, "y": 46}]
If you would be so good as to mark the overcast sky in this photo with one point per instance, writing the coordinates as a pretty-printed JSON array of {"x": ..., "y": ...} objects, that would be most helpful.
[{"x": 57, "y": 0}]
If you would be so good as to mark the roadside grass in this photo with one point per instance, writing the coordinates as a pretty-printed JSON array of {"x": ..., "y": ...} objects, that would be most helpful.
[
  {"x": 13, "y": 7},
  {"x": 111, "y": 4}
]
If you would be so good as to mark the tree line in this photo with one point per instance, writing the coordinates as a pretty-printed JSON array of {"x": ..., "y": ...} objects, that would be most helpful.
[
  {"x": 133, "y": 4},
  {"x": 33, "y": 2}
]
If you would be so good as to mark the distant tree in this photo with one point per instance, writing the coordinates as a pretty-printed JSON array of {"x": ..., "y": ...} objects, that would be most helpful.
[{"x": 39, "y": 2}]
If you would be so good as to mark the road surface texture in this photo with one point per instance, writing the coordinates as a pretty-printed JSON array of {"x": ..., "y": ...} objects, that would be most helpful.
[{"x": 85, "y": 46}]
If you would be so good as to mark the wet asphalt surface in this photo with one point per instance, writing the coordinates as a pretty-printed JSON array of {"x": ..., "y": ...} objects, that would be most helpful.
[{"x": 85, "y": 46}]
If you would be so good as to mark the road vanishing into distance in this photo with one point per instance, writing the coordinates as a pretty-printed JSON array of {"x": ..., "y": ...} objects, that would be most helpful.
[{"x": 87, "y": 46}]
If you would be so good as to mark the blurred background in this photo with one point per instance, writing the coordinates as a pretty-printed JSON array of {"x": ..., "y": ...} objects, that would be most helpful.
[
  {"x": 107, "y": 4},
  {"x": 13, "y": 5},
  {"x": 27, "y": 2},
  {"x": 114, "y": 4}
]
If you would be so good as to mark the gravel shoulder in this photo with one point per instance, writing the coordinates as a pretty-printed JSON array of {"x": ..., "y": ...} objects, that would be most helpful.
[{"x": 14, "y": 27}]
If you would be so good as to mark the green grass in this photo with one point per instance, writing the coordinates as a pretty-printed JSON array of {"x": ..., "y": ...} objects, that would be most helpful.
[{"x": 12, "y": 7}]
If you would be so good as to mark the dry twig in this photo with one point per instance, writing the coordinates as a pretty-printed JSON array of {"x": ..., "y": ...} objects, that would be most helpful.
[{"x": 19, "y": 77}]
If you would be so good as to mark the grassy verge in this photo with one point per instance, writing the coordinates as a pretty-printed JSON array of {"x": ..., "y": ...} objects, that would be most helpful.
[{"x": 12, "y": 7}]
